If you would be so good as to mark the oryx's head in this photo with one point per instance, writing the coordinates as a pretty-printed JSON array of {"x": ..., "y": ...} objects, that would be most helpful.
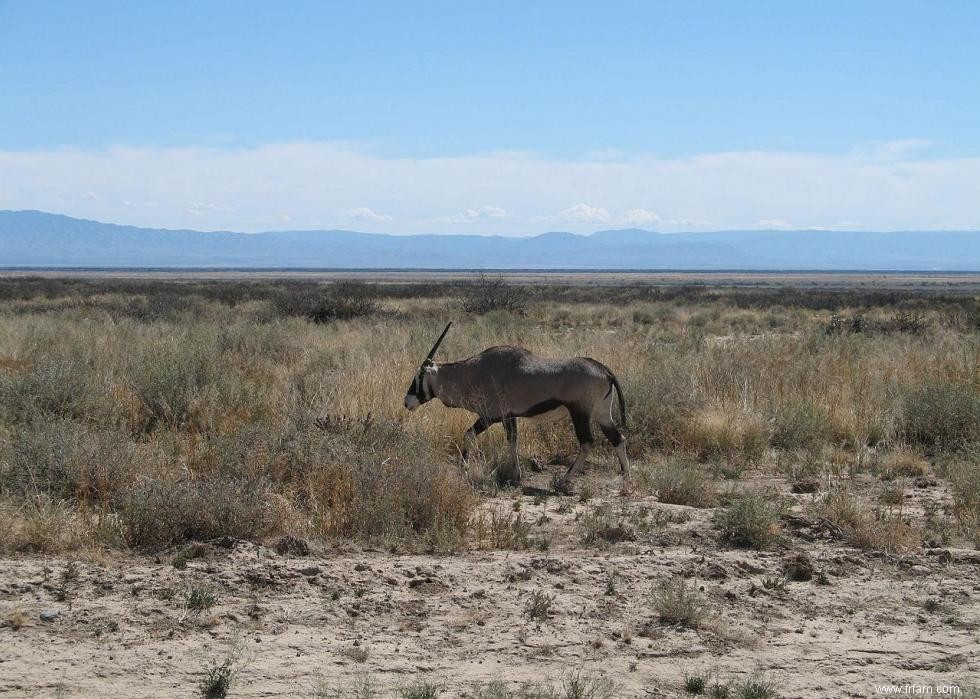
[{"x": 420, "y": 391}]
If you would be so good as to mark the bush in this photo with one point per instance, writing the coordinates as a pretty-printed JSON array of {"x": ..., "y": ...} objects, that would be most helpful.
[
  {"x": 677, "y": 483},
  {"x": 964, "y": 477},
  {"x": 323, "y": 304},
  {"x": 170, "y": 382},
  {"x": 157, "y": 514},
  {"x": 488, "y": 294},
  {"x": 382, "y": 484},
  {"x": 800, "y": 425},
  {"x": 65, "y": 460},
  {"x": 879, "y": 530},
  {"x": 942, "y": 416},
  {"x": 750, "y": 520},
  {"x": 678, "y": 604},
  {"x": 61, "y": 388}
]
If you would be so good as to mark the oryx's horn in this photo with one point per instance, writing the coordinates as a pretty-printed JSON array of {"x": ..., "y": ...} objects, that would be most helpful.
[{"x": 432, "y": 352}]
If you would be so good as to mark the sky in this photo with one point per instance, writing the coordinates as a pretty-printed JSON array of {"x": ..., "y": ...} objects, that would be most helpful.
[{"x": 507, "y": 118}]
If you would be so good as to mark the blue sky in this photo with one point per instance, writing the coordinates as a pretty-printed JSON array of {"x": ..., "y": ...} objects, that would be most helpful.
[{"x": 438, "y": 117}]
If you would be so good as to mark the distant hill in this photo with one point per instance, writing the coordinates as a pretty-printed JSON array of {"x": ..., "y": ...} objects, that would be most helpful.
[{"x": 38, "y": 239}]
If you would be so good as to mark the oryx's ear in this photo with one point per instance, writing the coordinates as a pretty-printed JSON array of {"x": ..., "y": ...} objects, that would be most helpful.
[{"x": 432, "y": 352}]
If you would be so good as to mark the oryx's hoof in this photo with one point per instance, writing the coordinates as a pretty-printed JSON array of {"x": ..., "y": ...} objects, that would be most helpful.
[{"x": 562, "y": 486}]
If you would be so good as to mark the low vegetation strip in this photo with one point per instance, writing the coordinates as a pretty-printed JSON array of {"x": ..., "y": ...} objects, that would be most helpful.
[{"x": 145, "y": 414}]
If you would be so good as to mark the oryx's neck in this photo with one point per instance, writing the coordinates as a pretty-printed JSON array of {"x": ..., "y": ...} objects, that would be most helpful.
[{"x": 442, "y": 379}]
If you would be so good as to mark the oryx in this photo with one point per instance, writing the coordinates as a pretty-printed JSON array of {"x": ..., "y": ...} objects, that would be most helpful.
[{"x": 501, "y": 384}]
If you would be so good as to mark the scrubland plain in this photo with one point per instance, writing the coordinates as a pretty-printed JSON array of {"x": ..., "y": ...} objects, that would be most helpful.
[{"x": 212, "y": 488}]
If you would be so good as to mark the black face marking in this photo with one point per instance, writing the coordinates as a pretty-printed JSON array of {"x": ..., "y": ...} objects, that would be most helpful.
[{"x": 419, "y": 388}]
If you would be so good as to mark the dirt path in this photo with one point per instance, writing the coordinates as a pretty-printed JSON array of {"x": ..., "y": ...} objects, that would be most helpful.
[{"x": 123, "y": 626}]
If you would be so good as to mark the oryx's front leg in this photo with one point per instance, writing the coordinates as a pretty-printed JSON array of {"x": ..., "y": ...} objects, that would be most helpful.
[{"x": 478, "y": 428}]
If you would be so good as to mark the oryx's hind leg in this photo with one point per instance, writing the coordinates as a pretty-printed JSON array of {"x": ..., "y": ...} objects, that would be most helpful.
[
  {"x": 478, "y": 428},
  {"x": 583, "y": 432},
  {"x": 614, "y": 436},
  {"x": 510, "y": 425}
]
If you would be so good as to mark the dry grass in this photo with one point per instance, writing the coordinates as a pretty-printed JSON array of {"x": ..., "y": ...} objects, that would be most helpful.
[
  {"x": 678, "y": 604},
  {"x": 136, "y": 414},
  {"x": 888, "y": 529}
]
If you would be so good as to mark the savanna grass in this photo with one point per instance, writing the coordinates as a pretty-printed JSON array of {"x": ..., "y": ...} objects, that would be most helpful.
[{"x": 145, "y": 413}]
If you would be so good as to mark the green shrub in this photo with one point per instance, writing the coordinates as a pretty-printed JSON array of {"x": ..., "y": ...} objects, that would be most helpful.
[
  {"x": 60, "y": 388},
  {"x": 678, "y": 604},
  {"x": 156, "y": 514},
  {"x": 749, "y": 520},
  {"x": 65, "y": 460},
  {"x": 677, "y": 483},
  {"x": 800, "y": 425},
  {"x": 942, "y": 416}
]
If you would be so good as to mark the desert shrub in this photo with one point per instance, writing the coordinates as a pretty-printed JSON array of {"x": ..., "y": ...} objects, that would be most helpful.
[
  {"x": 420, "y": 690},
  {"x": 165, "y": 305},
  {"x": 677, "y": 483},
  {"x": 882, "y": 530},
  {"x": 964, "y": 478},
  {"x": 731, "y": 436},
  {"x": 900, "y": 464},
  {"x": 942, "y": 416},
  {"x": 662, "y": 402},
  {"x": 66, "y": 460},
  {"x": 187, "y": 384},
  {"x": 155, "y": 513},
  {"x": 538, "y": 606},
  {"x": 57, "y": 387},
  {"x": 380, "y": 483},
  {"x": 326, "y": 303},
  {"x": 749, "y": 520},
  {"x": 756, "y": 687},
  {"x": 490, "y": 293},
  {"x": 800, "y": 425},
  {"x": 42, "y": 524},
  {"x": 678, "y": 604}
]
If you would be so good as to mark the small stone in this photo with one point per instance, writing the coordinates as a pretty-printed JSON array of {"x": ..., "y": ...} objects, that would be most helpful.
[
  {"x": 805, "y": 486},
  {"x": 614, "y": 535},
  {"x": 361, "y": 567},
  {"x": 292, "y": 546},
  {"x": 798, "y": 567},
  {"x": 49, "y": 615},
  {"x": 310, "y": 571}
]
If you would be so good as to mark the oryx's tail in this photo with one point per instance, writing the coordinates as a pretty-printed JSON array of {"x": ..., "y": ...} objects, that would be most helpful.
[{"x": 622, "y": 400}]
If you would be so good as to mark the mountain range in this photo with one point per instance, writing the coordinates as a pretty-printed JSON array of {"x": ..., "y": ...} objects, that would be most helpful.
[{"x": 39, "y": 239}]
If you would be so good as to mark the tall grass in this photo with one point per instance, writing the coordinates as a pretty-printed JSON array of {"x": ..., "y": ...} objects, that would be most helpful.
[{"x": 150, "y": 413}]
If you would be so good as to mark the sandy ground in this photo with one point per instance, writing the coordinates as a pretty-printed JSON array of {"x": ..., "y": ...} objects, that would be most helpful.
[{"x": 122, "y": 627}]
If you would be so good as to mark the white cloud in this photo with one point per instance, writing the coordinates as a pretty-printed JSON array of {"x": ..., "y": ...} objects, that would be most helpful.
[
  {"x": 199, "y": 207},
  {"x": 324, "y": 185},
  {"x": 582, "y": 214},
  {"x": 891, "y": 151},
  {"x": 484, "y": 213},
  {"x": 773, "y": 224},
  {"x": 363, "y": 213},
  {"x": 638, "y": 217}
]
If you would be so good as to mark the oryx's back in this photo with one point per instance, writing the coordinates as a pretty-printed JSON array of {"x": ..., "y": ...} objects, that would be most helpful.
[{"x": 513, "y": 381}]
